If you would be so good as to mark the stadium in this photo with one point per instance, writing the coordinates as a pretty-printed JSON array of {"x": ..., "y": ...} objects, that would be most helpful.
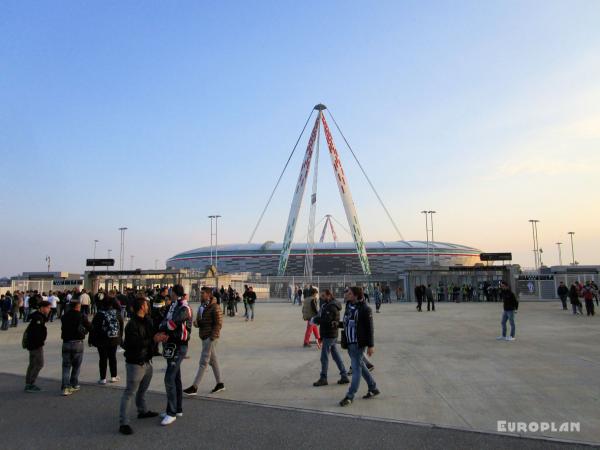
[{"x": 330, "y": 258}]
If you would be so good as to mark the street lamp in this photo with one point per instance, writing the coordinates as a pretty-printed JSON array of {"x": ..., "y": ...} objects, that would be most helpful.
[
  {"x": 558, "y": 244},
  {"x": 426, "y": 232},
  {"x": 431, "y": 213},
  {"x": 536, "y": 255},
  {"x": 216, "y": 217},
  {"x": 571, "y": 233},
  {"x": 122, "y": 249},
  {"x": 95, "y": 244}
]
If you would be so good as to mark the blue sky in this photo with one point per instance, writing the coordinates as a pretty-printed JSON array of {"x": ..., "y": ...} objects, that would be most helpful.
[{"x": 153, "y": 115}]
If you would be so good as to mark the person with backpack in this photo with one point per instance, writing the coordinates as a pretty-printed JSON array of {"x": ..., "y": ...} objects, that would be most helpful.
[
  {"x": 209, "y": 321},
  {"x": 587, "y": 293},
  {"x": 34, "y": 339},
  {"x": 107, "y": 335},
  {"x": 175, "y": 334},
  {"x": 328, "y": 320},
  {"x": 358, "y": 336},
  {"x": 139, "y": 349},
  {"x": 75, "y": 326}
]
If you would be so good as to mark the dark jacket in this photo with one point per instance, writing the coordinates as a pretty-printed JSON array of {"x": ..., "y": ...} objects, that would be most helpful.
[
  {"x": 562, "y": 291},
  {"x": 139, "y": 344},
  {"x": 71, "y": 322},
  {"x": 364, "y": 327},
  {"x": 36, "y": 331},
  {"x": 211, "y": 321},
  {"x": 329, "y": 319},
  {"x": 510, "y": 300},
  {"x": 98, "y": 337}
]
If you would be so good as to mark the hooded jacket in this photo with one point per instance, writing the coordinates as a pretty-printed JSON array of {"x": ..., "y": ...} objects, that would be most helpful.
[{"x": 36, "y": 331}]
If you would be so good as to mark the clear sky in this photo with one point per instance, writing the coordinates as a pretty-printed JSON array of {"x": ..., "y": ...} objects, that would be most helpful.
[{"x": 152, "y": 115}]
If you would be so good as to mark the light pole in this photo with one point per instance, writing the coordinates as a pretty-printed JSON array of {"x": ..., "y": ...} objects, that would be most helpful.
[
  {"x": 558, "y": 244},
  {"x": 427, "y": 233},
  {"x": 122, "y": 249},
  {"x": 48, "y": 261},
  {"x": 535, "y": 244},
  {"x": 95, "y": 244},
  {"x": 216, "y": 235},
  {"x": 571, "y": 233},
  {"x": 431, "y": 213}
]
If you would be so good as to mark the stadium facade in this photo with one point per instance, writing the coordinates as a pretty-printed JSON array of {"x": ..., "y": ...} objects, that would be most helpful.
[{"x": 330, "y": 258}]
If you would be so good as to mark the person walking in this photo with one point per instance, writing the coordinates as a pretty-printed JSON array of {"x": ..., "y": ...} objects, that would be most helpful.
[
  {"x": 328, "y": 320},
  {"x": 358, "y": 336},
  {"x": 209, "y": 321},
  {"x": 86, "y": 301},
  {"x": 74, "y": 327},
  {"x": 310, "y": 310},
  {"x": 53, "y": 300},
  {"x": 574, "y": 299},
  {"x": 588, "y": 296},
  {"x": 34, "y": 339},
  {"x": 17, "y": 301},
  {"x": 511, "y": 305},
  {"x": 5, "y": 309},
  {"x": 563, "y": 293},
  {"x": 419, "y": 296},
  {"x": 250, "y": 299},
  {"x": 175, "y": 334},
  {"x": 429, "y": 295},
  {"x": 139, "y": 349},
  {"x": 377, "y": 295},
  {"x": 107, "y": 335}
]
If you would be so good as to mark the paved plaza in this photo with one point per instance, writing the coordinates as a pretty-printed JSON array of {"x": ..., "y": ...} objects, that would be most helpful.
[{"x": 443, "y": 368}]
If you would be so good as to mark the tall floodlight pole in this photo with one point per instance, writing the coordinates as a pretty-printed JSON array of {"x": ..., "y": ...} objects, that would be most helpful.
[
  {"x": 122, "y": 250},
  {"x": 95, "y": 244},
  {"x": 211, "y": 239},
  {"x": 216, "y": 250},
  {"x": 558, "y": 244},
  {"x": 535, "y": 249},
  {"x": 48, "y": 261},
  {"x": 427, "y": 233},
  {"x": 537, "y": 244},
  {"x": 431, "y": 213},
  {"x": 571, "y": 233}
]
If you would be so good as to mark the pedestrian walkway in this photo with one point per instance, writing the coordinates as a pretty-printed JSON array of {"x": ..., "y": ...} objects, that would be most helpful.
[
  {"x": 88, "y": 420},
  {"x": 444, "y": 368}
]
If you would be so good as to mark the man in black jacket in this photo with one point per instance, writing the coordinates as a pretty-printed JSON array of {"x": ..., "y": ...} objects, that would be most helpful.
[
  {"x": 563, "y": 293},
  {"x": 511, "y": 305},
  {"x": 328, "y": 321},
  {"x": 359, "y": 334},
  {"x": 139, "y": 348},
  {"x": 34, "y": 340},
  {"x": 73, "y": 330}
]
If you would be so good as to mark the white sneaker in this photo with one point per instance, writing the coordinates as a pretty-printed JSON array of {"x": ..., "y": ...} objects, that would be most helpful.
[
  {"x": 115, "y": 379},
  {"x": 168, "y": 420},
  {"x": 164, "y": 414},
  {"x": 500, "y": 338},
  {"x": 510, "y": 338},
  {"x": 67, "y": 391},
  {"x": 102, "y": 381}
]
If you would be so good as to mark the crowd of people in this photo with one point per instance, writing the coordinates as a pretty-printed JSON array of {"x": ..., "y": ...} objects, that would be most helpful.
[
  {"x": 577, "y": 292},
  {"x": 144, "y": 324},
  {"x": 159, "y": 322}
]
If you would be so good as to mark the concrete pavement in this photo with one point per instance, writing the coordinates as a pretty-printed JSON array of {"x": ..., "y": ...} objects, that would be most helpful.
[{"x": 443, "y": 368}]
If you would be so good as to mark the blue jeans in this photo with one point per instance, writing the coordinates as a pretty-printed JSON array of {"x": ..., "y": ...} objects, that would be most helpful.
[
  {"x": 173, "y": 382},
  {"x": 329, "y": 345},
  {"x": 250, "y": 311},
  {"x": 510, "y": 316},
  {"x": 358, "y": 368},
  {"x": 72, "y": 356}
]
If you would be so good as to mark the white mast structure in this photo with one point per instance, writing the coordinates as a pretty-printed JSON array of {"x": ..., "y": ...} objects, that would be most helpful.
[{"x": 345, "y": 194}]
